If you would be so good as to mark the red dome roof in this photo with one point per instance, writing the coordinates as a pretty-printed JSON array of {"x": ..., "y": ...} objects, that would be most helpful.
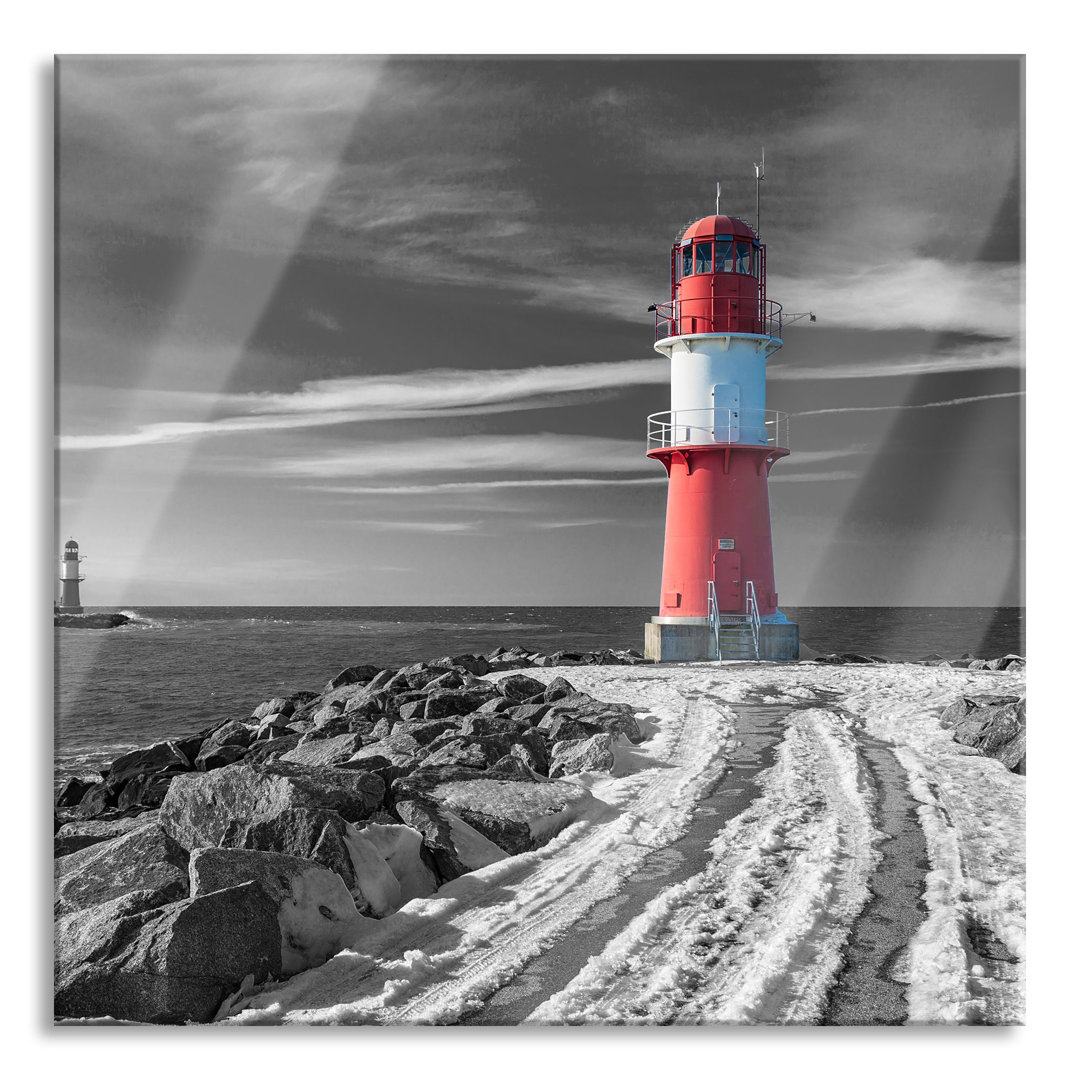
[{"x": 719, "y": 225}]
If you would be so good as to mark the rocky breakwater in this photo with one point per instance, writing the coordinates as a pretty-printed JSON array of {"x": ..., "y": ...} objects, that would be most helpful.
[
  {"x": 94, "y": 620},
  {"x": 202, "y": 866},
  {"x": 1009, "y": 662},
  {"x": 992, "y": 725}
]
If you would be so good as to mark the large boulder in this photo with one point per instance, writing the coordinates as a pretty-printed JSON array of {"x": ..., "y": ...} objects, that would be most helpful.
[
  {"x": 143, "y": 859},
  {"x": 573, "y": 756},
  {"x": 454, "y": 846},
  {"x": 360, "y": 673},
  {"x": 72, "y": 791},
  {"x": 450, "y": 680},
  {"x": 168, "y": 965},
  {"x": 201, "y": 808},
  {"x": 76, "y": 835},
  {"x": 463, "y": 753},
  {"x": 516, "y": 815},
  {"x": 996, "y": 726},
  {"x": 560, "y": 726},
  {"x": 519, "y": 687},
  {"x": 320, "y": 836},
  {"x": 425, "y": 731},
  {"x": 95, "y": 801},
  {"x": 159, "y": 758},
  {"x": 316, "y": 913},
  {"x": 616, "y": 718},
  {"x": 531, "y": 748},
  {"x": 557, "y": 689},
  {"x": 314, "y": 751},
  {"x": 224, "y": 746},
  {"x": 145, "y": 790},
  {"x": 399, "y": 749},
  {"x": 458, "y": 702},
  {"x": 493, "y": 724},
  {"x": 278, "y": 705},
  {"x": 271, "y": 749}
]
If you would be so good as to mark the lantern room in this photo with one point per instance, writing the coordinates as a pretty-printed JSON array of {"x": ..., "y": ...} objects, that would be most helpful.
[{"x": 718, "y": 281}]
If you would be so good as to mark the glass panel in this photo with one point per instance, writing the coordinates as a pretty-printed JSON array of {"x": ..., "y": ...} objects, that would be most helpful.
[
  {"x": 742, "y": 258},
  {"x": 687, "y": 260},
  {"x": 703, "y": 262},
  {"x": 724, "y": 264}
]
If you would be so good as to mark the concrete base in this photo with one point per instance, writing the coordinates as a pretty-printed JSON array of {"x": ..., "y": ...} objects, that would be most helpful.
[
  {"x": 779, "y": 641},
  {"x": 674, "y": 643},
  {"x": 678, "y": 641}
]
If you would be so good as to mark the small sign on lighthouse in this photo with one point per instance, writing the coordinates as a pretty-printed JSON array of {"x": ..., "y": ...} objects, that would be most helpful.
[{"x": 718, "y": 444}]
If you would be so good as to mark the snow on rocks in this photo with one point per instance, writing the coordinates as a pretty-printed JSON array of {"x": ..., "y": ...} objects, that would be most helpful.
[
  {"x": 437, "y": 956},
  {"x": 201, "y": 809},
  {"x": 592, "y": 754},
  {"x": 316, "y": 914},
  {"x": 996, "y": 726}
]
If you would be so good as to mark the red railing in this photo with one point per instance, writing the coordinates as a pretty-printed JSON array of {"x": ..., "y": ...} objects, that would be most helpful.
[{"x": 672, "y": 320}]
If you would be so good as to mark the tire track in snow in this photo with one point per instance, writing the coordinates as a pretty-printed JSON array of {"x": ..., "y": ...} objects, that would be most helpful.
[
  {"x": 482, "y": 931},
  {"x": 757, "y": 937},
  {"x": 965, "y": 964}
]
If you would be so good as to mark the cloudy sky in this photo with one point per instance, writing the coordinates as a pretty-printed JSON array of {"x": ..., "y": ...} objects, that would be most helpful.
[{"x": 366, "y": 331}]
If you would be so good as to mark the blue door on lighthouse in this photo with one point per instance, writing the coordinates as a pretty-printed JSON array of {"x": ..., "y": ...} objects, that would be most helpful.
[{"x": 727, "y": 576}]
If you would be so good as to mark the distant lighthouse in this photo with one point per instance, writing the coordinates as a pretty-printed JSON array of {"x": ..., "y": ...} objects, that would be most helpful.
[
  {"x": 718, "y": 443},
  {"x": 69, "y": 580}
]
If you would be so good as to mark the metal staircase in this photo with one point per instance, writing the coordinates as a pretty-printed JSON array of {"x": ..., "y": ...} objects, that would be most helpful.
[{"x": 735, "y": 636}]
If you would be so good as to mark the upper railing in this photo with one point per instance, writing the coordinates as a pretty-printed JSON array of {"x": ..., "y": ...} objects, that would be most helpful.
[
  {"x": 687, "y": 317},
  {"x": 694, "y": 427}
]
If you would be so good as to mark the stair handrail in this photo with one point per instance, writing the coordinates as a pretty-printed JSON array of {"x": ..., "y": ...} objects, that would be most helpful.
[
  {"x": 714, "y": 620},
  {"x": 755, "y": 616}
]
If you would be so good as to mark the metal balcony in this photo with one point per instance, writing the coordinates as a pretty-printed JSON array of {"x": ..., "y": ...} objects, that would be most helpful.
[
  {"x": 678, "y": 317},
  {"x": 699, "y": 427}
]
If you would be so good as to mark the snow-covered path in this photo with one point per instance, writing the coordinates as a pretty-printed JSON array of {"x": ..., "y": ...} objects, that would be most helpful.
[{"x": 761, "y": 932}]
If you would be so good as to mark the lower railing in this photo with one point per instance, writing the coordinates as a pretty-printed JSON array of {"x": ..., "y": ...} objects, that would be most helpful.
[
  {"x": 714, "y": 621},
  {"x": 750, "y": 618},
  {"x": 694, "y": 427},
  {"x": 755, "y": 617}
]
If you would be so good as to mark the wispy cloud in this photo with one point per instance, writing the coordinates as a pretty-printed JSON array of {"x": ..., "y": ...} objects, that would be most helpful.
[
  {"x": 484, "y": 485},
  {"x": 414, "y": 395},
  {"x": 985, "y": 356},
  {"x": 928, "y": 294},
  {"x": 420, "y": 526},
  {"x": 922, "y": 405},
  {"x": 781, "y": 477},
  {"x": 469, "y": 453}
]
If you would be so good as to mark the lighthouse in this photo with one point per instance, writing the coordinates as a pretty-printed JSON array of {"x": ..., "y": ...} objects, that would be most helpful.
[
  {"x": 718, "y": 443},
  {"x": 69, "y": 579}
]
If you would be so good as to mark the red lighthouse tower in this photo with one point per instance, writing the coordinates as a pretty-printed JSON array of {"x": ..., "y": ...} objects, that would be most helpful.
[{"x": 718, "y": 443}]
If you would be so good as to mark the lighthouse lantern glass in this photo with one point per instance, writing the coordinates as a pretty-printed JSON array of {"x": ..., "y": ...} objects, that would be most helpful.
[
  {"x": 723, "y": 257},
  {"x": 703, "y": 260},
  {"x": 687, "y": 260},
  {"x": 742, "y": 261}
]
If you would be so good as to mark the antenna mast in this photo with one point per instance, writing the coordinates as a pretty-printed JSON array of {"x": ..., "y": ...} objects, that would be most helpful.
[
  {"x": 717, "y": 198},
  {"x": 759, "y": 175}
]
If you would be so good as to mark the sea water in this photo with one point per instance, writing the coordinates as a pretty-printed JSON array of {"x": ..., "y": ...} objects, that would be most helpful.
[{"x": 174, "y": 670}]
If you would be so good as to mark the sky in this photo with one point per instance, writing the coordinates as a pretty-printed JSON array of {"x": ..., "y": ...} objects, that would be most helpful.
[{"x": 351, "y": 330}]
